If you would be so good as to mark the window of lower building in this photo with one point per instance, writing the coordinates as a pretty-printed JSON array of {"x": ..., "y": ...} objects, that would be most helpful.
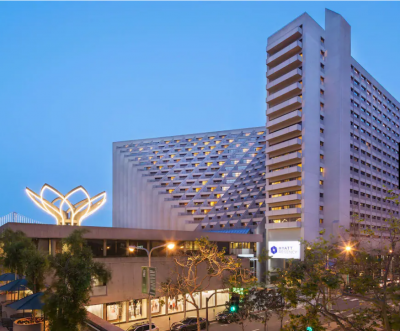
[
  {"x": 138, "y": 252},
  {"x": 116, "y": 312},
  {"x": 205, "y": 295},
  {"x": 157, "y": 307},
  {"x": 137, "y": 309},
  {"x": 189, "y": 305},
  {"x": 175, "y": 304},
  {"x": 117, "y": 248},
  {"x": 97, "y": 246},
  {"x": 96, "y": 310},
  {"x": 160, "y": 251},
  {"x": 222, "y": 296},
  {"x": 223, "y": 246}
]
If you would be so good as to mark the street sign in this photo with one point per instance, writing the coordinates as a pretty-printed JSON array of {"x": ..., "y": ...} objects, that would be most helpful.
[
  {"x": 149, "y": 280},
  {"x": 145, "y": 279},
  {"x": 152, "y": 276}
]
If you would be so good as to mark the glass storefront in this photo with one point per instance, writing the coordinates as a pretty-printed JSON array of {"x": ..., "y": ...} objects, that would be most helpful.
[
  {"x": 175, "y": 304},
  {"x": 189, "y": 306},
  {"x": 137, "y": 309},
  {"x": 222, "y": 297},
  {"x": 96, "y": 310},
  {"x": 157, "y": 306},
  {"x": 204, "y": 296},
  {"x": 116, "y": 312}
]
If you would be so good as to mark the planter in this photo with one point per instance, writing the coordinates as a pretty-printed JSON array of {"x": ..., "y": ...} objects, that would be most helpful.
[{"x": 18, "y": 326}]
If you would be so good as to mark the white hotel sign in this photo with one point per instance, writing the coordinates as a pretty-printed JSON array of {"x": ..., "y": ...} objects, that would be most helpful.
[{"x": 284, "y": 249}]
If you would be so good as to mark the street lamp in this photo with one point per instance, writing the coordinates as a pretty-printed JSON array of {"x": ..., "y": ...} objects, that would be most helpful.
[
  {"x": 348, "y": 249},
  {"x": 132, "y": 249}
]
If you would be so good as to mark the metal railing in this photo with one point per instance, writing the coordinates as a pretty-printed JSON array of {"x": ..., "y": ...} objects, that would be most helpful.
[{"x": 16, "y": 218}]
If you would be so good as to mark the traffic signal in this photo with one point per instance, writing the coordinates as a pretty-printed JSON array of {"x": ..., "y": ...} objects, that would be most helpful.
[
  {"x": 234, "y": 303},
  {"x": 309, "y": 328}
]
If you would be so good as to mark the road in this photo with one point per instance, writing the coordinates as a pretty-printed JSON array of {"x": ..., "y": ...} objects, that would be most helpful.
[{"x": 274, "y": 323}]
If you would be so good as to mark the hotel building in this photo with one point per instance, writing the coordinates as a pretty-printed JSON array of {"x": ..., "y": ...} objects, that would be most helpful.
[
  {"x": 329, "y": 151},
  {"x": 332, "y": 134}
]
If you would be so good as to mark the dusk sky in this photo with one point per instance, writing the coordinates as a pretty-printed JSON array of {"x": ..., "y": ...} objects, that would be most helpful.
[{"x": 77, "y": 76}]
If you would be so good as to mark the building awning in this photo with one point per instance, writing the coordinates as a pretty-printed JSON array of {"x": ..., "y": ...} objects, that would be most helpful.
[
  {"x": 7, "y": 277},
  {"x": 32, "y": 301},
  {"x": 240, "y": 231},
  {"x": 19, "y": 284}
]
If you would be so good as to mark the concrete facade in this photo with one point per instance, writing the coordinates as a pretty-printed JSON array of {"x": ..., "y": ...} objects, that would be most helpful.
[
  {"x": 123, "y": 293},
  {"x": 207, "y": 181},
  {"x": 331, "y": 137}
]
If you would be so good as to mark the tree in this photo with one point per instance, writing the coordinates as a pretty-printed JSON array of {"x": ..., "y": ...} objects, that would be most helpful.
[
  {"x": 36, "y": 266},
  {"x": 245, "y": 312},
  {"x": 194, "y": 272},
  {"x": 267, "y": 301},
  {"x": 361, "y": 259},
  {"x": 74, "y": 271},
  {"x": 304, "y": 321},
  {"x": 21, "y": 256},
  {"x": 15, "y": 245}
]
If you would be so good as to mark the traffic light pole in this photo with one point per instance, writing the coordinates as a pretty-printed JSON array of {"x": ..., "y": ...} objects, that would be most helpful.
[{"x": 207, "y": 299}]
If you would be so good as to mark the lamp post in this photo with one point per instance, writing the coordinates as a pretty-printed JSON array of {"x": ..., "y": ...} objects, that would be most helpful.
[
  {"x": 348, "y": 249},
  {"x": 132, "y": 249}
]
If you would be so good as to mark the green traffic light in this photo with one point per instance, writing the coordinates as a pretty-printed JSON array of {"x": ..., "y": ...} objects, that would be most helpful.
[
  {"x": 233, "y": 309},
  {"x": 309, "y": 328}
]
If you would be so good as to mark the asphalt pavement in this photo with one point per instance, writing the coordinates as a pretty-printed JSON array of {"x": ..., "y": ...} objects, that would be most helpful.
[{"x": 344, "y": 307}]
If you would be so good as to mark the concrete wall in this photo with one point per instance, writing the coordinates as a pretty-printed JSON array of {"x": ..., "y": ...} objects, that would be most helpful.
[
  {"x": 126, "y": 277},
  {"x": 337, "y": 114},
  {"x": 311, "y": 128}
]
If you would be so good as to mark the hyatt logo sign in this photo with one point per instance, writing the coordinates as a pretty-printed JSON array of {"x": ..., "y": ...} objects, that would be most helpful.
[{"x": 284, "y": 249}]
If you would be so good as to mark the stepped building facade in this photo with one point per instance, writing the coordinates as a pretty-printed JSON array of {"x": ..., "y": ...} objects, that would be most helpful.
[{"x": 212, "y": 181}]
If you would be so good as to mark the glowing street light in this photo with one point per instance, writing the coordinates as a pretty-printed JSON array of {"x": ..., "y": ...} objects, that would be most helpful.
[{"x": 132, "y": 248}]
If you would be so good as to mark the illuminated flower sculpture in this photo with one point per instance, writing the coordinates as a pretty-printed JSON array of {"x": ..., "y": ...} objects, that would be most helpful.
[{"x": 61, "y": 207}]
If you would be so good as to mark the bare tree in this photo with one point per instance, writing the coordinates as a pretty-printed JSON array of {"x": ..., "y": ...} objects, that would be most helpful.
[{"x": 193, "y": 272}]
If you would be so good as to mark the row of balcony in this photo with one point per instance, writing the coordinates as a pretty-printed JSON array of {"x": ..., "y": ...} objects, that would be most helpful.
[{"x": 284, "y": 127}]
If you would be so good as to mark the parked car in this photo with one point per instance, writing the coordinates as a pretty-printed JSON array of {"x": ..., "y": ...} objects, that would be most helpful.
[
  {"x": 142, "y": 326},
  {"x": 189, "y": 323},
  {"x": 348, "y": 290},
  {"x": 223, "y": 317}
]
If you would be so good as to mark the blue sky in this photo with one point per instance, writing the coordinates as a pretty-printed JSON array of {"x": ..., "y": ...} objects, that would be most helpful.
[{"x": 76, "y": 76}]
